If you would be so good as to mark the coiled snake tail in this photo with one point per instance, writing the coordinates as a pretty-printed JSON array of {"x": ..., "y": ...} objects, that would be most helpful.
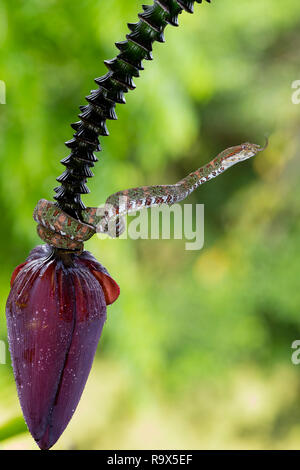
[{"x": 61, "y": 230}]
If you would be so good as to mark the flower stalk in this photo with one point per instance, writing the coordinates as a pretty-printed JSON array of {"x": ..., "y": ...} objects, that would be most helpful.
[{"x": 112, "y": 88}]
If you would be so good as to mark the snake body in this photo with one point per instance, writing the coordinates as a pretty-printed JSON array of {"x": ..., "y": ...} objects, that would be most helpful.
[{"x": 61, "y": 230}]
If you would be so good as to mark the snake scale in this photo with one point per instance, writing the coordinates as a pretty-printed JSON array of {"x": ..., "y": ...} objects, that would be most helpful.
[{"x": 67, "y": 223}]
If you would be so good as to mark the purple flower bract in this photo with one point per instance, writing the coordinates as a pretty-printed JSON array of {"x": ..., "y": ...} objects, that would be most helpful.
[{"x": 55, "y": 314}]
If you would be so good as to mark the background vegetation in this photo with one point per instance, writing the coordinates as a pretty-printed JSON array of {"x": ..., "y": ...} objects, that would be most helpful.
[{"x": 196, "y": 353}]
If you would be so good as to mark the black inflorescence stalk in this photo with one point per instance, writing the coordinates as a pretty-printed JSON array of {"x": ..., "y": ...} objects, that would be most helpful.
[{"x": 102, "y": 102}]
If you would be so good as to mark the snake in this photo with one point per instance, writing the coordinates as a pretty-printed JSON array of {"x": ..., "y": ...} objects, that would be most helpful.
[{"x": 62, "y": 231}]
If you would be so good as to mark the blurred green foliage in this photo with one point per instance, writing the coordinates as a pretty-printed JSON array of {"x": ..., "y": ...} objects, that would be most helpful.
[{"x": 196, "y": 353}]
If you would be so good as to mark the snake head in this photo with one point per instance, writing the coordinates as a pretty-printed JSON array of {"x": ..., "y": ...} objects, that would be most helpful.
[
  {"x": 250, "y": 150},
  {"x": 242, "y": 152}
]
